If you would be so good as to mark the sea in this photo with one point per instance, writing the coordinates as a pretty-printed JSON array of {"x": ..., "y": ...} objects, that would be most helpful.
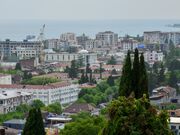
[{"x": 19, "y": 29}]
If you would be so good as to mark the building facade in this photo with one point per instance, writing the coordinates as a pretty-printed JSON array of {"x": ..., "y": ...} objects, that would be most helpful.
[
  {"x": 7, "y": 48},
  {"x": 159, "y": 37},
  {"x": 110, "y": 38},
  {"x": 62, "y": 92},
  {"x": 87, "y": 57},
  {"x": 9, "y": 100}
]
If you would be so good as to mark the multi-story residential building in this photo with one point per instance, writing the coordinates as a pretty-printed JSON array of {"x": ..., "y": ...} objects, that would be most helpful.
[
  {"x": 62, "y": 92},
  {"x": 9, "y": 100},
  {"x": 87, "y": 57},
  {"x": 5, "y": 79},
  {"x": 159, "y": 37},
  {"x": 69, "y": 37},
  {"x": 81, "y": 40},
  {"x": 25, "y": 53},
  {"x": 7, "y": 48},
  {"x": 110, "y": 38},
  {"x": 128, "y": 44},
  {"x": 153, "y": 56},
  {"x": 93, "y": 44},
  {"x": 52, "y": 43}
]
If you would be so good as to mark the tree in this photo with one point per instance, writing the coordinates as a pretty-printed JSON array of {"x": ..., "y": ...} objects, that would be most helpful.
[
  {"x": 173, "y": 80},
  {"x": 125, "y": 82},
  {"x": 143, "y": 79},
  {"x": 130, "y": 116},
  {"x": 37, "y": 104},
  {"x": 34, "y": 124},
  {"x": 84, "y": 124},
  {"x": 136, "y": 74},
  {"x": 18, "y": 66},
  {"x": 73, "y": 70},
  {"x": 112, "y": 61},
  {"x": 110, "y": 81},
  {"x": 53, "y": 108},
  {"x": 161, "y": 76},
  {"x": 82, "y": 79}
]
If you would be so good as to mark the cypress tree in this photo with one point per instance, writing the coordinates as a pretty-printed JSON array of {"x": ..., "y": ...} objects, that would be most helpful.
[
  {"x": 143, "y": 80},
  {"x": 125, "y": 83},
  {"x": 135, "y": 75},
  {"x": 110, "y": 80},
  {"x": 34, "y": 124}
]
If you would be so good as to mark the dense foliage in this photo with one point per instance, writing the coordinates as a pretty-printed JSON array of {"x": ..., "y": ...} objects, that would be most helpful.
[
  {"x": 40, "y": 81},
  {"x": 84, "y": 124},
  {"x": 53, "y": 108},
  {"x": 112, "y": 61},
  {"x": 100, "y": 94},
  {"x": 130, "y": 116}
]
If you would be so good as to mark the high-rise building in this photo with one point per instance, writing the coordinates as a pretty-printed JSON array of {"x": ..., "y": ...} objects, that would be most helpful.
[
  {"x": 109, "y": 37},
  {"x": 81, "y": 40}
]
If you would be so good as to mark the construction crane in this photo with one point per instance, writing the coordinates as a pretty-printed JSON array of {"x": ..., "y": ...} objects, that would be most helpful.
[{"x": 41, "y": 38}]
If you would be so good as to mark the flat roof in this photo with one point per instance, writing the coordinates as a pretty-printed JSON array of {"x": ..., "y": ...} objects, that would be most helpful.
[{"x": 174, "y": 120}]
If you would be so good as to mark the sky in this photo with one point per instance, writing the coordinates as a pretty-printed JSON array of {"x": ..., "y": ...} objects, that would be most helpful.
[{"x": 89, "y": 9}]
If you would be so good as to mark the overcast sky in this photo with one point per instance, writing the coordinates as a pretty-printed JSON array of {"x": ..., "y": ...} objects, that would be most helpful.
[{"x": 89, "y": 9}]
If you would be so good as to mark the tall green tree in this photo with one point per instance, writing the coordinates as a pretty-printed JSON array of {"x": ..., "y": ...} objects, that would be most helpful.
[
  {"x": 126, "y": 78},
  {"x": 136, "y": 74},
  {"x": 18, "y": 66},
  {"x": 143, "y": 79},
  {"x": 110, "y": 81},
  {"x": 173, "y": 80},
  {"x": 112, "y": 61},
  {"x": 73, "y": 70},
  {"x": 130, "y": 116},
  {"x": 161, "y": 76},
  {"x": 34, "y": 123}
]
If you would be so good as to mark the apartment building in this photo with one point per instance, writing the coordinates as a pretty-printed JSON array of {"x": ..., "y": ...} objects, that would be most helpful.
[
  {"x": 7, "y": 48},
  {"x": 128, "y": 44},
  {"x": 9, "y": 100},
  {"x": 110, "y": 38},
  {"x": 62, "y": 92},
  {"x": 81, "y": 40},
  {"x": 70, "y": 37},
  {"x": 159, "y": 37},
  {"x": 153, "y": 56}
]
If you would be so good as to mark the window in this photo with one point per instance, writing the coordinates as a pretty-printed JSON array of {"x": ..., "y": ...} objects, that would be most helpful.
[{"x": 173, "y": 127}]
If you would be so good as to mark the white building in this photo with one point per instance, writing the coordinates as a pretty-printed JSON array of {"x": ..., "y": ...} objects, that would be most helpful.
[
  {"x": 109, "y": 37},
  {"x": 9, "y": 100},
  {"x": 153, "y": 56},
  {"x": 87, "y": 57},
  {"x": 159, "y": 37},
  {"x": 7, "y": 48},
  {"x": 174, "y": 125},
  {"x": 5, "y": 79},
  {"x": 25, "y": 53},
  {"x": 62, "y": 92},
  {"x": 69, "y": 37},
  {"x": 128, "y": 44}
]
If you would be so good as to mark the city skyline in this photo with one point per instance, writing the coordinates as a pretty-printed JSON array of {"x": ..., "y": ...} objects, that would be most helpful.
[{"x": 89, "y": 10}]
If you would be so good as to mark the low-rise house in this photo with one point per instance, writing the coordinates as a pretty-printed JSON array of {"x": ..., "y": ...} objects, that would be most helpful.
[
  {"x": 162, "y": 95},
  {"x": 79, "y": 107},
  {"x": 15, "y": 124},
  {"x": 8, "y": 131},
  {"x": 9, "y": 100}
]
